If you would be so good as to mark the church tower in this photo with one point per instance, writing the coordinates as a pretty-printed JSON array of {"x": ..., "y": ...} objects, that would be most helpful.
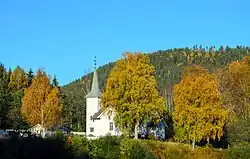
[{"x": 92, "y": 103}]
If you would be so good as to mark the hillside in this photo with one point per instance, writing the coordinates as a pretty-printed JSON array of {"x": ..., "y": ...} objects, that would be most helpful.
[{"x": 168, "y": 66}]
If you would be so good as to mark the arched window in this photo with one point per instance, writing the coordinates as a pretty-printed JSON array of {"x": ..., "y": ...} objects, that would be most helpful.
[{"x": 111, "y": 126}]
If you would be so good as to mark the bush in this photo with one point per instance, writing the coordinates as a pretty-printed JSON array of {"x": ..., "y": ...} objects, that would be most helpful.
[
  {"x": 60, "y": 135},
  {"x": 105, "y": 147},
  {"x": 80, "y": 146},
  {"x": 207, "y": 153},
  {"x": 112, "y": 147},
  {"x": 239, "y": 131},
  {"x": 168, "y": 149},
  {"x": 241, "y": 151},
  {"x": 132, "y": 148}
]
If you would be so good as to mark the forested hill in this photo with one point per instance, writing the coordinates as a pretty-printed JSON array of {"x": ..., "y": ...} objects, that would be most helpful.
[{"x": 168, "y": 65}]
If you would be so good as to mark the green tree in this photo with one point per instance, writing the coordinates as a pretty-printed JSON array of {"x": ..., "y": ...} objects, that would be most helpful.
[
  {"x": 18, "y": 82},
  {"x": 55, "y": 82},
  {"x": 5, "y": 98},
  {"x": 198, "y": 110},
  {"x": 30, "y": 76},
  {"x": 16, "y": 119},
  {"x": 131, "y": 92}
]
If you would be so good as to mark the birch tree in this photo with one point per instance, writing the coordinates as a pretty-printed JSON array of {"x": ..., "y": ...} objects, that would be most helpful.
[
  {"x": 234, "y": 84},
  {"x": 131, "y": 92},
  {"x": 40, "y": 104},
  {"x": 198, "y": 110}
]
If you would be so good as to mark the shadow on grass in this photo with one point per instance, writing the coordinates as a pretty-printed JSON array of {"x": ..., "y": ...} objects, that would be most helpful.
[{"x": 35, "y": 148}]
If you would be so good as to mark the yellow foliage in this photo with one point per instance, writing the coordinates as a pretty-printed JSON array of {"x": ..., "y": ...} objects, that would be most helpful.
[
  {"x": 18, "y": 79},
  {"x": 131, "y": 91},
  {"x": 40, "y": 104},
  {"x": 235, "y": 88},
  {"x": 198, "y": 110}
]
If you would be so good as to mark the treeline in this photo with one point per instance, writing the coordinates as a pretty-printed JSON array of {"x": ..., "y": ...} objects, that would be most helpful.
[
  {"x": 169, "y": 65},
  {"x": 27, "y": 99}
]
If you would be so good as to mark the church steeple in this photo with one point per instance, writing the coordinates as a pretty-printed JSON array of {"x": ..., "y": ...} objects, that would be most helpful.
[{"x": 95, "y": 89}]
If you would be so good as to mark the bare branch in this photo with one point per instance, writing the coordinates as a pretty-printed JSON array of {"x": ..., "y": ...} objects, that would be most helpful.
[{"x": 86, "y": 82}]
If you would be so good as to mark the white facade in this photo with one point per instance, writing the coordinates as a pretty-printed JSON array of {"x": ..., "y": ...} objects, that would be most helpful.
[
  {"x": 101, "y": 126},
  {"x": 92, "y": 106},
  {"x": 98, "y": 122}
]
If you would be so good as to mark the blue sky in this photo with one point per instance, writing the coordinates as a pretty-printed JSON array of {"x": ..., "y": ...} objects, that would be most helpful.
[{"x": 64, "y": 36}]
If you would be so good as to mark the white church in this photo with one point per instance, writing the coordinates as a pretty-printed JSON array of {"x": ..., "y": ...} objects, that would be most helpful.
[{"x": 98, "y": 122}]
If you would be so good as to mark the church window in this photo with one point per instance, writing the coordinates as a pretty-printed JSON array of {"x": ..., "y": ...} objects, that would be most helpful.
[
  {"x": 111, "y": 125},
  {"x": 91, "y": 129}
]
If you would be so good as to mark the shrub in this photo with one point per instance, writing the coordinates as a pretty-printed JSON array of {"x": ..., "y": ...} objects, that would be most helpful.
[
  {"x": 168, "y": 149},
  {"x": 241, "y": 151},
  {"x": 105, "y": 147},
  {"x": 132, "y": 148},
  {"x": 112, "y": 147},
  {"x": 207, "y": 153},
  {"x": 60, "y": 135},
  {"x": 79, "y": 145},
  {"x": 239, "y": 131}
]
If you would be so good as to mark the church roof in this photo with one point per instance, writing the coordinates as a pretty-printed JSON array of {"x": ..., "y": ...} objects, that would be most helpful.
[
  {"x": 95, "y": 89},
  {"x": 96, "y": 115}
]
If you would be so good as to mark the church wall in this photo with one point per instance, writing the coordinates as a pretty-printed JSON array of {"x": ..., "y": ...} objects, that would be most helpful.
[
  {"x": 92, "y": 108},
  {"x": 103, "y": 126}
]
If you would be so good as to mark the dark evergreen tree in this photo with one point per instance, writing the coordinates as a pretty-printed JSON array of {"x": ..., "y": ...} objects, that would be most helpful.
[
  {"x": 18, "y": 82},
  {"x": 55, "y": 82},
  {"x": 9, "y": 74},
  {"x": 30, "y": 76},
  {"x": 5, "y": 97}
]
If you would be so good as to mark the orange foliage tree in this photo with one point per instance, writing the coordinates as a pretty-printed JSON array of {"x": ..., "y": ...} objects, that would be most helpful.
[
  {"x": 234, "y": 84},
  {"x": 40, "y": 104},
  {"x": 198, "y": 110}
]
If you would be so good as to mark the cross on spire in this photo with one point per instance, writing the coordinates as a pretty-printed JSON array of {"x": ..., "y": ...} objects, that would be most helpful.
[
  {"x": 95, "y": 62},
  {"x": 95, "y": 91}
]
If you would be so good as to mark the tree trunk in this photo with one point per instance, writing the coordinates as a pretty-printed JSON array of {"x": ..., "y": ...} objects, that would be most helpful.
[
  {"x": 42, "y": 124},
  {"x": 193, "y": 144},
  {"x": 136, "y": 130},
  {"x": 78, "y": 125}
]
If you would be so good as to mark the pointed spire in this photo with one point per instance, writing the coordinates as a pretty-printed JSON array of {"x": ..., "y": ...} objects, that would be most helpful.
[{"x": 95, "y": 89}]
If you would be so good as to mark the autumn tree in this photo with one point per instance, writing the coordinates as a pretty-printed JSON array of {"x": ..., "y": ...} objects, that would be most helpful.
[
  {"x": 40, "y": 104},
  {"x": 18, "y": 79},
  {"x": 198, "y": 110},
  {"x": 131, "y": 92},
  {"x": 18, "y": 82},
  {"x": 234, "y": 84}
]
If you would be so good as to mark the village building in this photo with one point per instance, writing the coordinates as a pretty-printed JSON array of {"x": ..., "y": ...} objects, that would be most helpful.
[{"x": 98, "y": 122}]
